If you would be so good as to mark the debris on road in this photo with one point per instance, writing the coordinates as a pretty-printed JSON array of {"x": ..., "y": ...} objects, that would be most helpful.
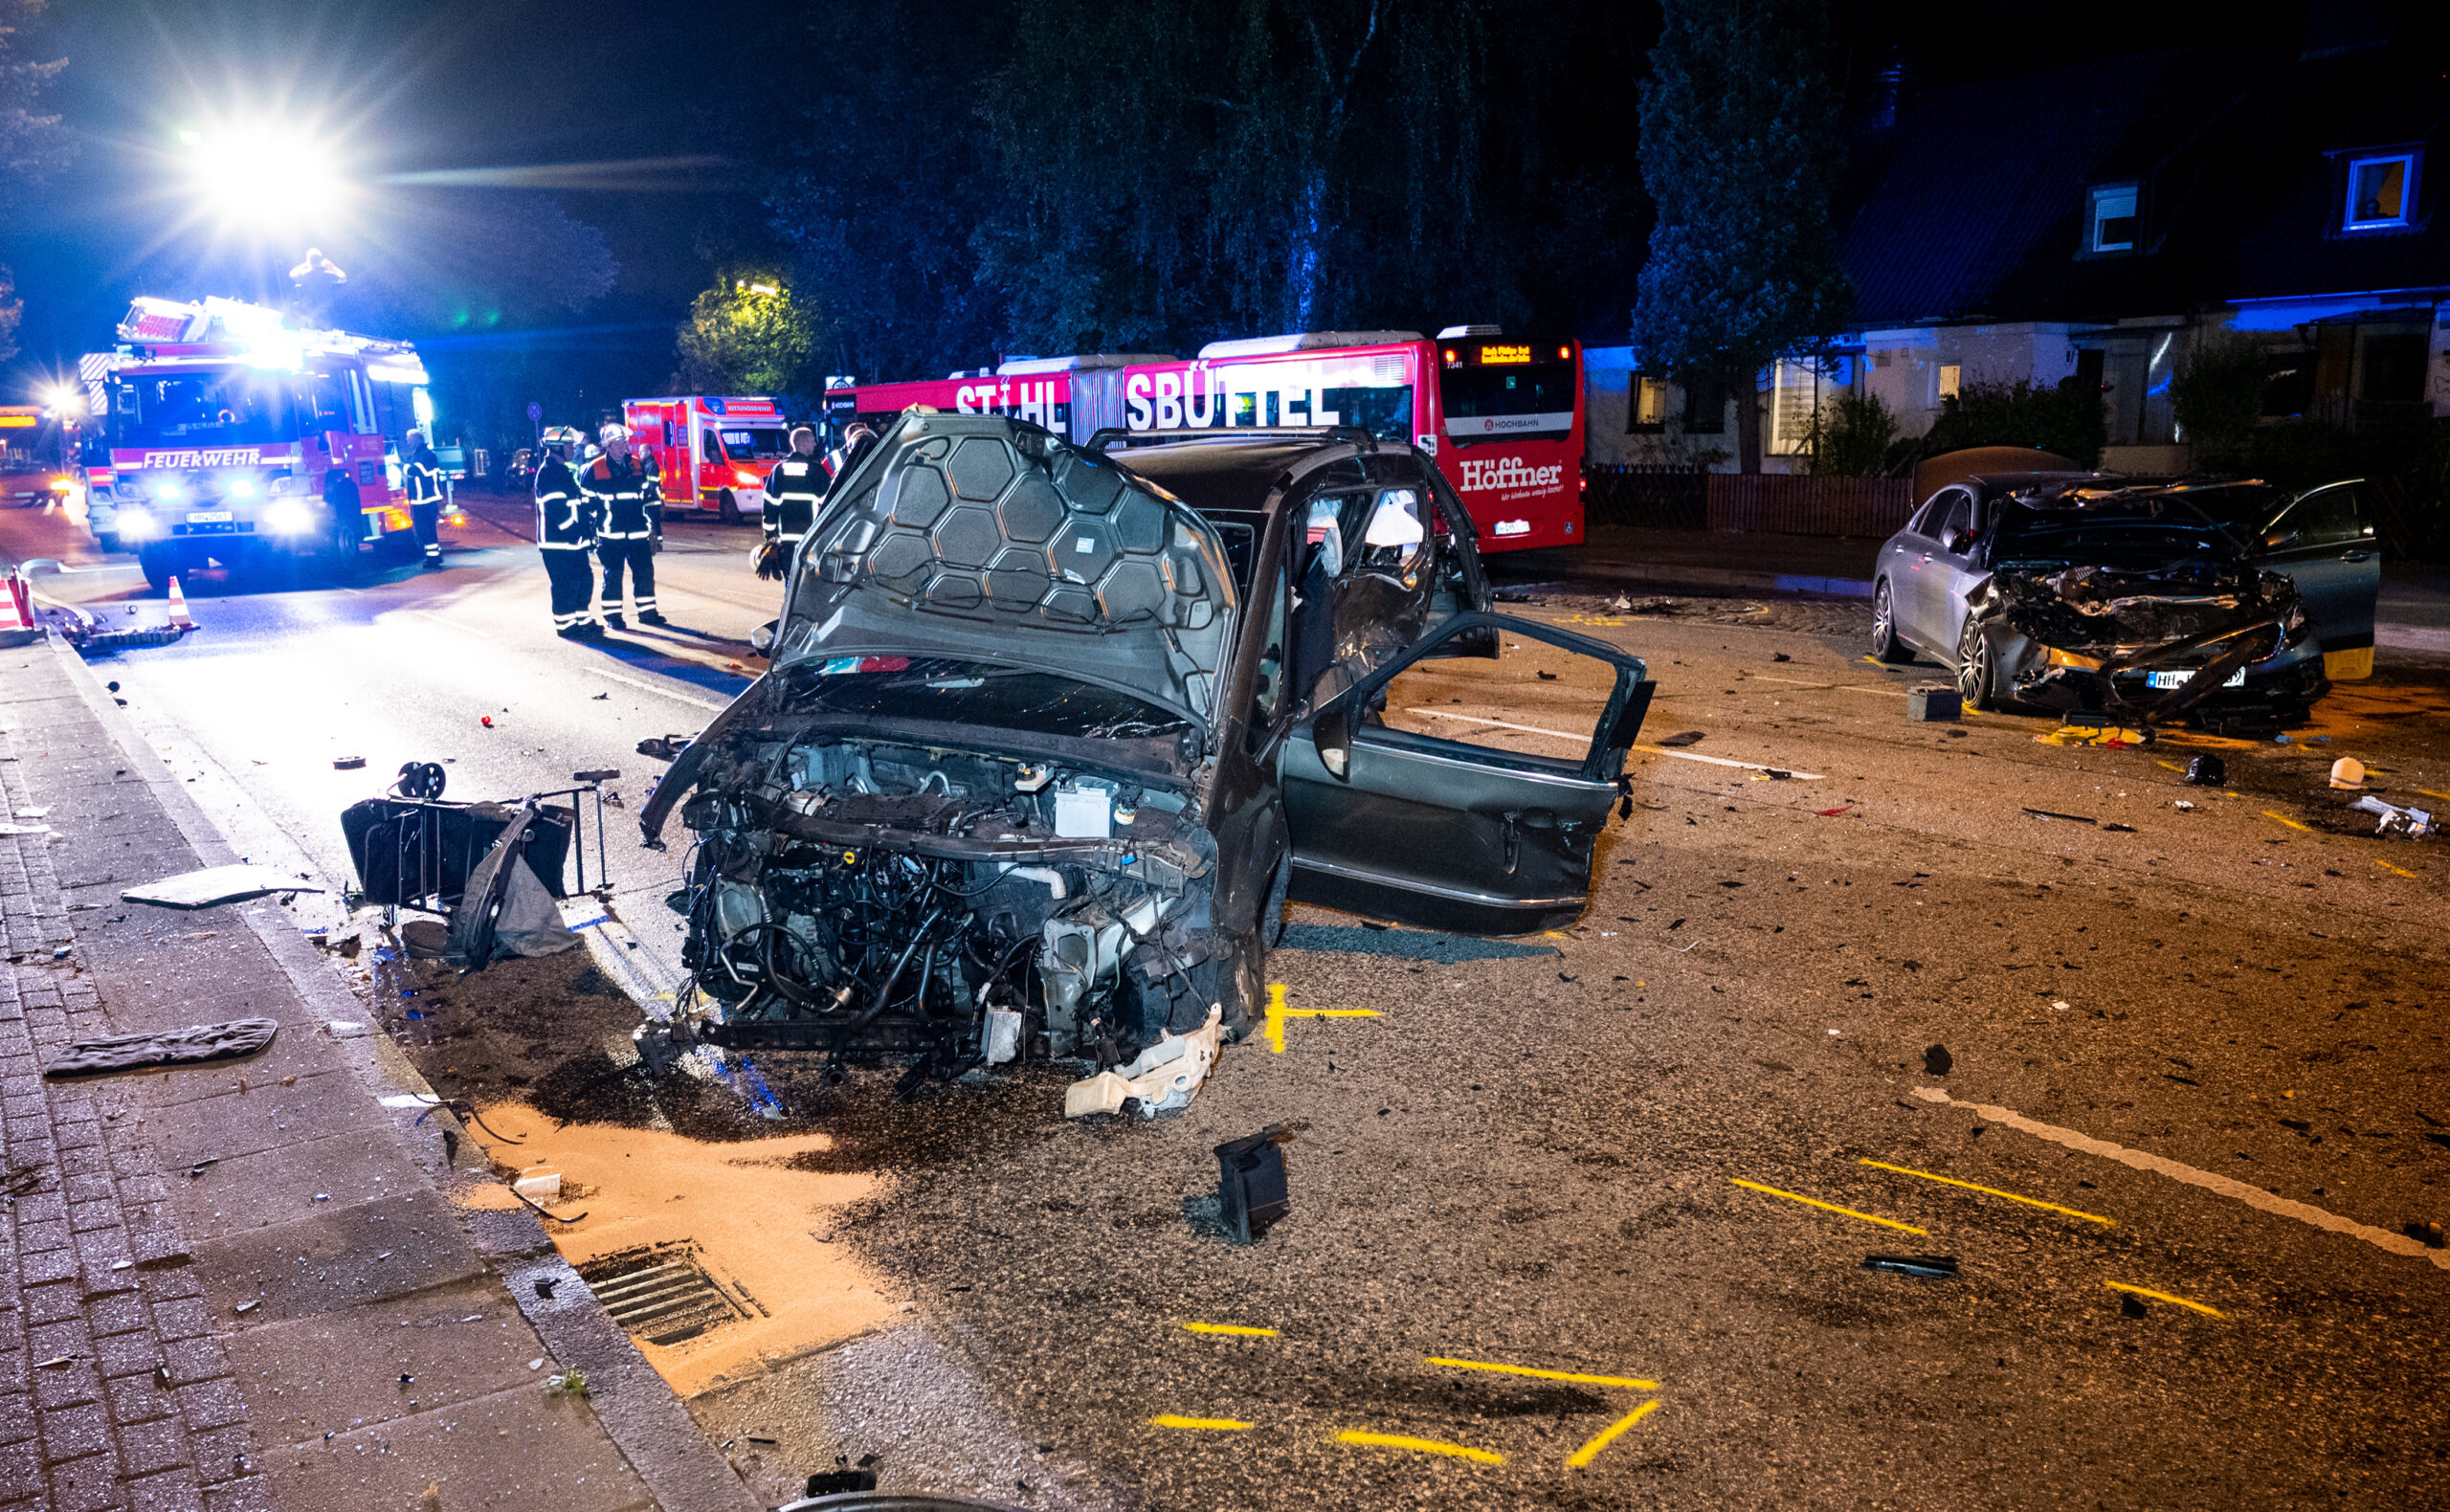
[
  {"x": 1932, "y": 1267},
  {"x": 1934, "y": 703},
  {"x": 1251, "y": 1188},
  {"x": 664, "y": 748},
  {"x": 198, "y": 1044},
  {"x": 1682, "y": 738},
  {"x": 839, "y": 1480},
  {"x": 1937, "y": 1061},
  {"x": 2413, "y": 824},
  {"x": 2430, "y": 1235},
  {"x": 2207, "y": 772},
  {"x": 215, "y": 885},
  {"x": 2113, "y": 827},
  {"x": 348, "y": 762},
  {"x": 538, "y": 1183},
  {"x": 2071, "y": 818},
  {"x": 2130, "y": 1305},
  {"x": 1162, "y": 1078},
  {"x": 2348, "y": 773}
]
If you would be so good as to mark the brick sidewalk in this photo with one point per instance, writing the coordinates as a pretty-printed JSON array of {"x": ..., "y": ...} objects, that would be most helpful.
[{"x": 142, "y": 1213}]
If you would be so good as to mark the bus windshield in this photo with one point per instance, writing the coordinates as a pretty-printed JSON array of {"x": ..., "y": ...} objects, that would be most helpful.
[
  {"x": 205, "y": 409},
  {"x": 1486, "y": 402}
]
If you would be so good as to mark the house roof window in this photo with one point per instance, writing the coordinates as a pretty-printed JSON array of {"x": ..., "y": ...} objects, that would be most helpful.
[
  {"x": 2111, "y": 218},
  {"x": 2380, "y": 190}
]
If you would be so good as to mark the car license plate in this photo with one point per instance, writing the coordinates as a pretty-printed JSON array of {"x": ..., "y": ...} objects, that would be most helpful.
[
  {"x": 2178, "y": 679},
  {"x": 209, "y": 516}
]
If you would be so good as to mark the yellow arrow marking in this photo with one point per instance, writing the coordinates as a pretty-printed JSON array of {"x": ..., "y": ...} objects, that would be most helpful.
[
  {"x": 1237, "y": 1330},
  {"x": 1626, "y": 1380},
  {"x": 1609, "y": 1434},
  {"x": 1277, "y": 1014},
  {"x": 1830, "y": 1207},
  {"x": 1223, "y": 1425},
  {"x": 2164, "y": 1296},
  {"x": 2031, "y": 1202},
  {"x": 1426, "y": 1446}
]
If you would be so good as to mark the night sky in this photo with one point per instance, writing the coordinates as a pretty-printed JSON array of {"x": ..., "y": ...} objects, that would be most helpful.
[{"x": 408, "y": 88}]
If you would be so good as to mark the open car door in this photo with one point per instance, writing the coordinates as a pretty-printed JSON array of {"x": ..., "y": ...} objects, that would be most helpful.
[
  {"x": 2324, "y": 542},
  {"x": 1464, "y": 795}
]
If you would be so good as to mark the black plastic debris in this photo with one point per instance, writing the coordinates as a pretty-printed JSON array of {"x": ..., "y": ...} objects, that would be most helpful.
[
  {"x": 1251, "y": 1190},
  {"x": 1930, "y": 1267},
  {"x": 1682, "y": 738},
  {"x": 1934, "y": 703},
  {"x": 544, "y": 1285},
  {"x": 1780, "y": 655},
  {"x": 2130, "y": 1305},
  {"x": 1514, "y": 595},
  {"x": 597, "y": 774},
  {"x": 834, "y": 1482},
  {"x": 2114, "y": 828},
  {"x": 1937, "y": 1061},
  {"x": 2431, "y": 1234},
  {"x": 664, "y": 748},
  {"x": 2207, "y": 772},
  {"x": 2071, "y": 818},
  {"x": 348, "y": 762}
]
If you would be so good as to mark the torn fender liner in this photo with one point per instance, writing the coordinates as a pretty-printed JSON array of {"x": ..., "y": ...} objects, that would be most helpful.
[
  {"x": 215, "y": 885},
  {"x": 1163, "y": 1078},
  {"x": 198, "y": 1044}
]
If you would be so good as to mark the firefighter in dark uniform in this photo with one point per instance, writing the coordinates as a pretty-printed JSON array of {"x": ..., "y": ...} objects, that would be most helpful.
[
  {"x": 422, "y": 472},
  {"x": 564, "y": 530},
  {"x": 625, "y": 501},
  {"x": 792, "y": 490}
]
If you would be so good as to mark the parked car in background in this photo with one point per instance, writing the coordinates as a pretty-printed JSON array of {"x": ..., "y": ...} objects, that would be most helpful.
[{"x": 2149, "y": 600}]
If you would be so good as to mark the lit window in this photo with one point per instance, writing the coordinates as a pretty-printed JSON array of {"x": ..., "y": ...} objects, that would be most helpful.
[
  {"x": 2111, "y": 218},
  {"x": 2379, "y": 190},
  {"x": 1650, "y": 402},
  {"x": 1951, "y": 379}
]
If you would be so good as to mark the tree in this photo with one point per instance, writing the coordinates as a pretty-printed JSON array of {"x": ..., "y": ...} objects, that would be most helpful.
[
  {"x": 746, "y": 335},
  {"x": 31, "y": 144},
  {"x": 1740, "y": 152},
  {"x": 476, "y": 260}
]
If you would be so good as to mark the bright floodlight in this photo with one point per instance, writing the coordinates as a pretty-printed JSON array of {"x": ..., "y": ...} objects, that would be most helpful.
[{"x": 276, "y": 181}]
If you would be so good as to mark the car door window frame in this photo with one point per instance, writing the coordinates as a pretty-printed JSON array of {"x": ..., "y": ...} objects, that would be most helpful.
[{"x": 1612, "y": 737}]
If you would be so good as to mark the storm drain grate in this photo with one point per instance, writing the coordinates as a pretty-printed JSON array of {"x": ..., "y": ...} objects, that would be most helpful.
[{"x": 660, "y": 1293}]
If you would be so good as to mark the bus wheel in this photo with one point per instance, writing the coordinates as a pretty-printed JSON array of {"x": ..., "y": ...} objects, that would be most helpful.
[
  {"x": 160, "y": 563},
  {"x": 726, "y": 508}
]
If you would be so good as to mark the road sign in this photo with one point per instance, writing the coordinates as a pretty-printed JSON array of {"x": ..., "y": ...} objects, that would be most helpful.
[{"x": 535, "y": 412}]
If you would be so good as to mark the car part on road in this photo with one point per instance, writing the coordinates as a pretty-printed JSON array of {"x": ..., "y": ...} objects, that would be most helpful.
[
  {"x": 2411, "y": 823},
  {"x": 505, "y": 909},
  {"x": 1251, "y": 1188},
  {"x": 1937, "y": 1061},
  {"x": 215, "y": 885},
  {"x": 1931, "y": 1267},
  {"x": 1679, "y": 739},
  {"x": 1934, "y": 703},
  {"x": 198, "y": 1044},
  {"x": 2071, "y": 818},
  {"x": 2207, "y": 772},
  {"x": 664, "y": 748},
  {"x": 1163, "y": 1078}
]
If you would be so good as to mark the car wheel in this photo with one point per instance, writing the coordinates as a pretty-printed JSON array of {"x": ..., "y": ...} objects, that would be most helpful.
[
  {"x": 726, "y": 508},
  {"x": 1976, "y": 674},
  {"x": 1885, "y": 646},
  {"x": 158, "y": 564},
  {"x": 108, "y": 543}
]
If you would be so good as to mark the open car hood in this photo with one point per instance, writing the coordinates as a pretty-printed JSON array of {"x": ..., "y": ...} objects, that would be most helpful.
[{"x": 989, "y": 540}]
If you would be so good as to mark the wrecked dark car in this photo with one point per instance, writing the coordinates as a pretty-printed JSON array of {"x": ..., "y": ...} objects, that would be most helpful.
[
  {"x": 1045, "y": 748},
  {"x": 2140, "y": 600}
]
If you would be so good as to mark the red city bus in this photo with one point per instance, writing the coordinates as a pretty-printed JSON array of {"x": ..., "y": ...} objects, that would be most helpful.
[{"x": 1504, "y": 418}]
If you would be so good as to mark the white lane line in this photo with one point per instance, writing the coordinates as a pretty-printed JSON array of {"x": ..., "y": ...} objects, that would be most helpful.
[
  {"x": 593, "y": 672},
  {"x": 2251, "y": 1196},
  {"x": 1585, "y": 740}
]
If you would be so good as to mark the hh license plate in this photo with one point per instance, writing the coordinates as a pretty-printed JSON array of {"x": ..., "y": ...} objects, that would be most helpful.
[
  {"x": 209, "y": 516},
  {"x": 2178, "y": 679}
]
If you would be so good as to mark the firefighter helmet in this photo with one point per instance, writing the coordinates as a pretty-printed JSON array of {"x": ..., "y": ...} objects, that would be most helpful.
[
  {"x": 561, "y": 438},
  {"x": 615, "y": 432}
]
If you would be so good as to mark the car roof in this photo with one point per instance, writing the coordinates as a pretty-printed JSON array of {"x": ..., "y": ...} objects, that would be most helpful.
[{"x": 1217, "y": 473}]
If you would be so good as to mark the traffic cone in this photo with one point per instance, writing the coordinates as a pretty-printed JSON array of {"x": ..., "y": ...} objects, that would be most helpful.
[
  {"x": 179, "y": 619},
  {"x": 15, "y": 611}
]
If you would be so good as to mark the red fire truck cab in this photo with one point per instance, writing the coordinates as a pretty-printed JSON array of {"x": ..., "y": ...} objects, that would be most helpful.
[{"x": 713, "y": 451}]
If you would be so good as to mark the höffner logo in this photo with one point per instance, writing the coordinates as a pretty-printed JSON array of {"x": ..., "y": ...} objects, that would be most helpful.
[
  {"x": 1482, "y": 474},
  {"x": 225, "y": 456}
]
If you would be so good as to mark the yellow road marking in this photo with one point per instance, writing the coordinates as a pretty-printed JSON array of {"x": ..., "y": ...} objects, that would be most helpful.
[
  {"x": 1426, "y": 1446},
  {"x": 1277, "y": 1014},
  {"x": 1627, "y": 1381},
  {"x": 2164, "y": 1296},
  {"x": 1609, "y": 1434},
  {"x": 2291, "y": 823},
  {"x": 1237, "y": 1330},
  {"x": 2427, "y": 791},
  {"x": 1810, "y": 1202},
  {"x": 2393, "y": 870},
  {"x": 1223, "y": 1425},
  {"x": 2031, "y": 1202}
]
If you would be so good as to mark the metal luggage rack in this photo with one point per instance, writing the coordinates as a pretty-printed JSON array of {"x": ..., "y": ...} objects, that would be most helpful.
[{"x": 419, "y": 850}]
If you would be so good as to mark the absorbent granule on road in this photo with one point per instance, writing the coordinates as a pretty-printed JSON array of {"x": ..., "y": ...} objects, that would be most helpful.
[{"x": 197, "y": 1044}]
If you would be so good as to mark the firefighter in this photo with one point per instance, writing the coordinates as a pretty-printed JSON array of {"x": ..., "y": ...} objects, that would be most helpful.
[
  {"x": 564, "y": 529},
  {"x": 422, "y": 471},
  {"x": 622, "y": 494},
  {"x": 792, "y": 490}
]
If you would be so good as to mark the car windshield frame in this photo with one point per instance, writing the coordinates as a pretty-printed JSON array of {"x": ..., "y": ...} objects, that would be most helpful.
[{"x": 805, "y": 677}]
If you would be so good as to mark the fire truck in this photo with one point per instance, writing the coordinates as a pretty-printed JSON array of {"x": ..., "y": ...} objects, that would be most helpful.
[
  {"x": 713, "y": 451},
  {"x": 226, "y": 436},
  {"x": 1503, "y": 417}
]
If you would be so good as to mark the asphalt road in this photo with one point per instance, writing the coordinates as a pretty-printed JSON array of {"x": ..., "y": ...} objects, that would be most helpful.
[{"x": 1580, "y": 1220}]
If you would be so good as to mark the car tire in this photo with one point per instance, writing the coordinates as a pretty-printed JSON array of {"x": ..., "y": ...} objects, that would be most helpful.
[
  {"x": 1885, "y": 644},
  {"x": 726, "y": 508},
  {"x": 160, "y": 564},
  {"x": 1977, "y": 672},
  {"x": 108, "y": 543}
]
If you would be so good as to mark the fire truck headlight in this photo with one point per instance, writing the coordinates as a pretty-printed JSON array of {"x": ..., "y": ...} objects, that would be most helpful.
[
  {"x": 241, "y": 488},
  {"x": 289, "y": 518},
  {"x": 170, "y": 490},
  {"x": 136, "y": 524}
]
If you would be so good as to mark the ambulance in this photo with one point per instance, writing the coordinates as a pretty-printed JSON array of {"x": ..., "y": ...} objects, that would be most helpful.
[{"x": 712, "y": 451}]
